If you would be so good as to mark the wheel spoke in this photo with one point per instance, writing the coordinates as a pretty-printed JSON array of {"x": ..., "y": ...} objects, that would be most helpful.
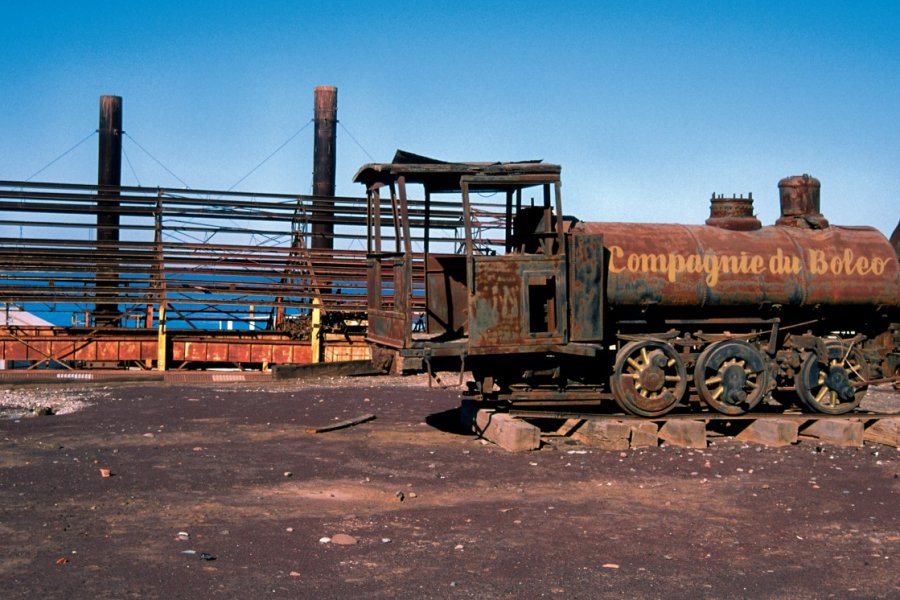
[{"x": 853, "y": 366}]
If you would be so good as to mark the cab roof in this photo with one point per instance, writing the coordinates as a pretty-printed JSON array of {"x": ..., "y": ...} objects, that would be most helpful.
[{"x": 440, "y": 176}]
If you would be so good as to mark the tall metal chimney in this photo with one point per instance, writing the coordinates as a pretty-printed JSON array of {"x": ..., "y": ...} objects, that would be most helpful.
[
  {"x": 324, "y": 151},
  {"x": 109, "y": 178}
]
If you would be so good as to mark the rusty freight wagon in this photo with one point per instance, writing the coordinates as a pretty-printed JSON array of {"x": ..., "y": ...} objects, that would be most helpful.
[{"x": 542, "y": 307}]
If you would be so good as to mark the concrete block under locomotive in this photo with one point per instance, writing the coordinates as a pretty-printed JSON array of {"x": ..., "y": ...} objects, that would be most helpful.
[{"x": 728, "y": 313}]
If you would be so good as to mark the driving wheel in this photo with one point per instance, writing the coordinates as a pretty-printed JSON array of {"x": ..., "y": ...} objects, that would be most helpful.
[
  {"x": 649, "y": 378},
  {"x": 731, "y": 376},
  {"x": 831, "y": 384}
]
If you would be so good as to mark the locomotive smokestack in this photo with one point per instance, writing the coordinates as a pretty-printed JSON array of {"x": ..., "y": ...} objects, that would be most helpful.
[{"x": 800, "y": 202}]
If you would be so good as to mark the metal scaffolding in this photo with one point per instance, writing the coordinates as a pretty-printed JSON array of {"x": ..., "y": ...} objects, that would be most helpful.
[{"x": 198, "y": 265}]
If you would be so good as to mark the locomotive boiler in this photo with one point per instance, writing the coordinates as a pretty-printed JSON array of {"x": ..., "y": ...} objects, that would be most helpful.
[{"x": 655, "y": 316}]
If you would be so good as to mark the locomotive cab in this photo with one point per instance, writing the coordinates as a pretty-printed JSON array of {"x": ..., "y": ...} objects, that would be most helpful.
[{"x": 484, "y": 274}]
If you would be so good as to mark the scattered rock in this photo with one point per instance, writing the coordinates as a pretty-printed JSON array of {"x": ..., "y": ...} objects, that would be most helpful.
[
  {"x": 342, "y": 539},
  {"x": 18, "y": 403}
]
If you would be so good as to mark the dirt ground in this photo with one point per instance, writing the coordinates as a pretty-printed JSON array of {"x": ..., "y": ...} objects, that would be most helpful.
[{"x": 219, "y": 491}]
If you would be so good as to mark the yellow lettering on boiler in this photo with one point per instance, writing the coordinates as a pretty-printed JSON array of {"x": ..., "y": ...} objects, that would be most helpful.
[
  {"x": 614, "y": 253},
  {"x": 784, "y": 264},
  {"x": 673, "y": 265},
  {"x": 846, "y": 263}
]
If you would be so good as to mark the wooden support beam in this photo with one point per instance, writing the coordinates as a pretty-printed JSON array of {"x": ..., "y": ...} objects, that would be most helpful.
[
  {"x": 686, "y": 434},
  {"x": 514, "y": 435},
  {"x": 836, "y": 432},
  {"x": 608, "y": 435},
  {"x": 568, "y": 426},
  {"x": 644, "y": 433},
  {"x": 770, "y": 432},
  {"x": 884, "y": 431}
]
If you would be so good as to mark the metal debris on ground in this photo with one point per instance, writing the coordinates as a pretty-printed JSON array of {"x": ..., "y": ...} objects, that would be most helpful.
[{"x": 341, "y": 424}]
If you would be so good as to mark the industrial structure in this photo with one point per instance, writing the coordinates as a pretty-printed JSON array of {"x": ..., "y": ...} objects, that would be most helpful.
[{"x": 154, "y": 279}]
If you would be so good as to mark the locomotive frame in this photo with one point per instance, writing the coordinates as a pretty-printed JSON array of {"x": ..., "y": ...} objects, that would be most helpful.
[{"x": 653, "y": 316}]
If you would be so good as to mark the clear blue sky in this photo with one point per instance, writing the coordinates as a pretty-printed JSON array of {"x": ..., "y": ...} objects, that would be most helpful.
[{"x": 648, "y": 106}]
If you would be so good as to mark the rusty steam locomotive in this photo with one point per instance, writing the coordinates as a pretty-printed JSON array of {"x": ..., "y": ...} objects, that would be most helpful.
[{"x": 725, "y": 314}]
